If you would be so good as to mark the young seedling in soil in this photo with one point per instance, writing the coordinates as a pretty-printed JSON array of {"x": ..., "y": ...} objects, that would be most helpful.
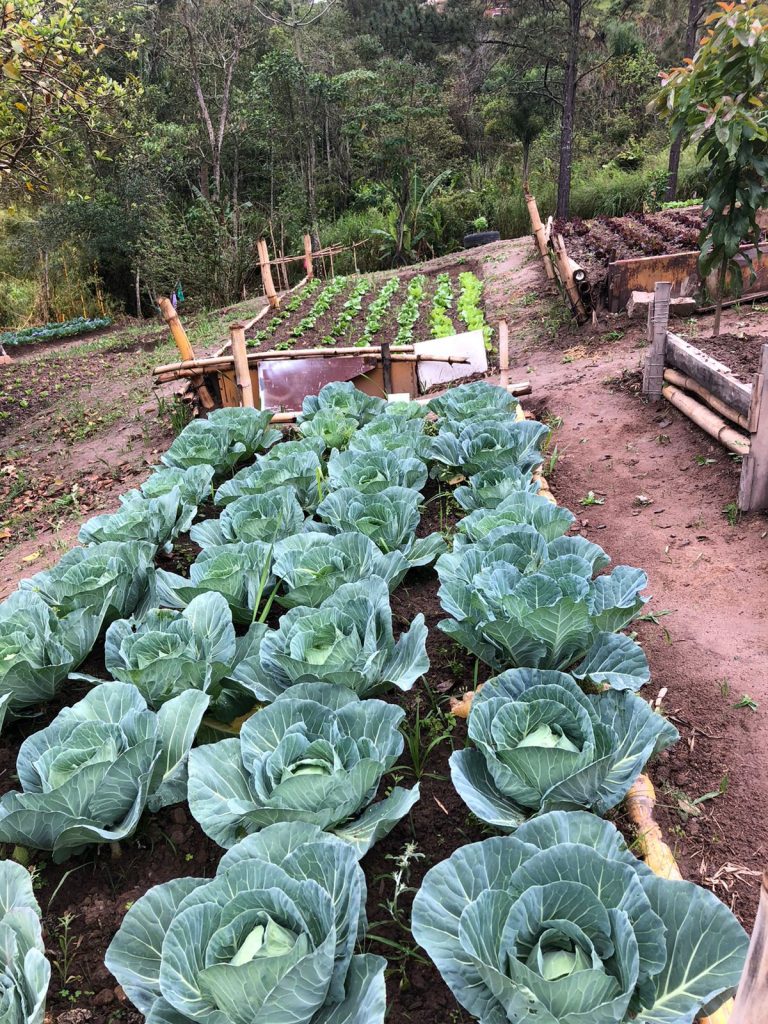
[
  {"x": 591, "y": 499},
  {"x": 732, "y": 513},
  {"x": 747, "y": 703}
]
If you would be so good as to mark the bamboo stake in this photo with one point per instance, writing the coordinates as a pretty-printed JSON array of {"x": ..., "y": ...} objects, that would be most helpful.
[
  {"x": 240, "y": 358},
  {"x": 538, "y": 231},
  {"x": 705, "y": 418},
  {"x": 308, "y": 264},
  {"x": 504, "y": 345},
  {"x": 175, "y": 327},
  {"x": 680, "y": 380},
  {"x": 266, "y": 274},
  {"x": 752, "y": 995},
  {"x": 566, "y": 277}
]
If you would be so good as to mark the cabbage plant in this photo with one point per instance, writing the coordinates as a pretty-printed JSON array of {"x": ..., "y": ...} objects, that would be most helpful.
[
  {"x": 551, "y": 617},
  {"x": 389, "y": 518},
  {"x": 519, "y": 508},
  {"x": 269, "y": 939},
  {"x": 347, "y": 640},
  {"x": 194, "y": 483},
  {"x": 478, "y": 446},
  {"x": 318, "y": 754},
  {"x": 113, "y": 579},
  {"x": 371, "y": 472},
  {"x": 167, "y": 652},
  {"x": 561, "y": 924},
  {"x": 88, "y": 776},
  {"x": 38, "y": 649},
  {"x": 157, "y": 521},
  {"x": 391, "y": 433},
  {"x": 474, "y": 401},
  {"x": 24, "y": 970},
  {"x": 343, "y": 398},
  {"x": 312, "y": 566},
  {"x": 265, "y": 517},
  {"x": 302, "y": 470},
  {"x": 540, "y": 744},
  {"x": 226, "y": 437},
  {"x": 488, "y": 489},
  {"x": 331, "y": 425},
  {"x": 239, "y": 572}
]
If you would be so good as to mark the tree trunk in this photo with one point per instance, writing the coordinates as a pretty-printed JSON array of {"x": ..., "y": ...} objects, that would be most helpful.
[
  {"x": 719, "y": 298},
  {"x": 526, "y": 163},
  {"x": 694, "y": 14},
  {"x": 569, "y": 109},
  {"x": 137, "y": 287}
]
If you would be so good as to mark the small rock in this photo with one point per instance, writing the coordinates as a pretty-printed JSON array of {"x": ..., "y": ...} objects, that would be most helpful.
[
  {"x": 120, "y": 995},
  {"x": 104, "y": 998},
  {"x": 76, "y": 1016}
]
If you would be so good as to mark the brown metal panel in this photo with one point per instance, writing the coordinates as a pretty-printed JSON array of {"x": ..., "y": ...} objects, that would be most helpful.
[
  {"x": 285, "y": 383},
  {"x": 403, "y": 380}
]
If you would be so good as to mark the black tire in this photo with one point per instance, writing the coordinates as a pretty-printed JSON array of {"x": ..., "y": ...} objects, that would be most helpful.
[{"x": 480, "y": 238}]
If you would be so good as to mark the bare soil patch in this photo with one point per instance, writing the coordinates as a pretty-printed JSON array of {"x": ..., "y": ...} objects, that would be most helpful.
[{"x": 740, "y": 353}]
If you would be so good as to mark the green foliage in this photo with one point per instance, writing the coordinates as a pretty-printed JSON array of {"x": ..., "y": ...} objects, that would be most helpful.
[
  {"x": 440, "y": 323},
  {"x": 23, "y": 966},
  {"x": 409, "y": 311},
  {"x": 468, "y": 305}
]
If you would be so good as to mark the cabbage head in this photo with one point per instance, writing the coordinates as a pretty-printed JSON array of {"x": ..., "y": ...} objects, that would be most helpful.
[
  {"x": 38, "y": 649},
  {"x": 113, "y": 579},
  {"x": 194, "y": 483},
  {"x": 331, "y": 425},
  {"x": 266, "y": 517},
  {"x": 312, "y": 566},
  {"x": 478, "y": 446},
  {"x": 521, "y": 508},
  {"x": 226, "y": 437},
  {"x": 240, "y": 572},
  {"x": 389, "y": 518},
  {"x": 391, "y": 433},
  {"x": 488, "y": 489},
  {"x": 347, "y": 640},
  {"x": 302, "y": 470},
  {"x": 318, "y": 754},
  {"x": 343, "y": 398},
  {"x": 372, "y": 472},
  {"x": 269, "y": 940},
  {"x": 158, "y": 521},
  {"x": 561, "y": 924},
  {"x": 475, "y": 401},
  {"x": 540, "y": 744},
  {"x": 167, "y": 652},
  {"x": 88, "y": 776},
  {"x": 24, "y": 971}
]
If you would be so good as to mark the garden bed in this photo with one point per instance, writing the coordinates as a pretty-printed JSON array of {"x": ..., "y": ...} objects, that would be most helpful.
[{"x": 740, "y": 353}]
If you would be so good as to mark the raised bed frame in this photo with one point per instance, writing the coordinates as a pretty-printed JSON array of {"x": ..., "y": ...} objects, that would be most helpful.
[{"x": 734, "y": 413}]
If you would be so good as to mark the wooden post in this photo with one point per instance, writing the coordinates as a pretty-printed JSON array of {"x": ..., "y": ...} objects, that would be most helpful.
[
  {"x": 752, "y": 995},
  {"x": 266, "y": 274},
  {"x": 503, "y": 346},
  {"x": 386, "y": 367},
  {"x": 753, "y": 486},
  {"x": 539, "y": 234},
  {"x": 242, "y": 372},
  {"x": 308, "y": 263},
  {"x": 658, "y": 322},
  {"x": 566, "y": 277},
  {"x": 174, "y": 326}
]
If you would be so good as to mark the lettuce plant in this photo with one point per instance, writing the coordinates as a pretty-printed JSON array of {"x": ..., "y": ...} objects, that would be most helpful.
[
  {"x": 468, "y": 305},
  {"x": 24, "y": 971},
  {"x": 561, "y": 924},
  {"x": 318, "y": 754},
  {"x": 370, "y": 472},
  {"x": 166, "y": 652},
  {"x": 265, "y": 517},
  {"x": 38, "y": 649},
  {"x": 440, "y": 323},
  {"x": 409, "y": 311},
  {"x": 312, "y": 566},
  {"x": 302, "y": 470},
  {"x": 112, "y": 579},
  {"x": 488, "y": 489},
  {"x": 389, "y": 518},
  {"x": 240, "y": 572},
  {"x": 377, "y": 311},
  {"x": 270, "y": 938},
  {"x": 474, "y": 401},
  {"x": 155, "y": 520},
  {"x": 540, "y": 743},
  {"x": 332, "y": 425},
  {"x": 88, "y": 776},
  {"x": 344, "y": 398},
  {"x": 322, "y": 304},
  {"x": 550, "y": 617},
  {"x": 349, "y": 312},
  {"x": 478, "y": 445},
  {"x": 194, "y": 484},
  {"x": 347, "y": 640}
]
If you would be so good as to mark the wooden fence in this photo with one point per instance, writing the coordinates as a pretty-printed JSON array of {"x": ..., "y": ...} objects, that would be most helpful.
[
  {"x": 559, "y": 267},
  {"x": 309, "y": 257}
]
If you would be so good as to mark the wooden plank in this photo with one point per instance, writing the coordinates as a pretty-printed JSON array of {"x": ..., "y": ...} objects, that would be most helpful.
[
  {"x": 713, "y": 375},
  {"x": 753, "y": 486},
  {"x": 504, "y": 343},
  {"x": 658, "y": 322}
]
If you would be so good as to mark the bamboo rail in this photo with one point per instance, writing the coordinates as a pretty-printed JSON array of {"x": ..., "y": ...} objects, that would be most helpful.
[
  {"x": 680, "y": 380},
  {"x": 708, "y": 420}
]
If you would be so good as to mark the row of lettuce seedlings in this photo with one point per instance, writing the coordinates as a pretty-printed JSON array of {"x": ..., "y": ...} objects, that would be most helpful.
[
  {"x": 554, "y": 920},
  {"x": 469, "y": 312}
]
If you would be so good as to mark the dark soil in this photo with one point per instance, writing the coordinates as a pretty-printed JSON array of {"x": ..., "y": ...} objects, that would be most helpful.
[{"x": 740, "y": 353}]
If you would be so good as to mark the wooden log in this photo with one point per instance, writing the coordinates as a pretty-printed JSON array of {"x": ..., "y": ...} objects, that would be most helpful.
[
  {"x": 178, "y": 333},
  {"x": 689, "y": 384},
  {"x": 753, "y": 486},
  {"x": 658, "y": 322},
  {"x": 308, "y": 264},
  {"x": 539, "y": 234},
  {"x": 751, "y": 1000},
  {"x": 386, "y": 367},
  {"x": 521, "y": 387},
  {"x": 709, "y": 421},
  {"x": 242, "y": 372},
  {"x": 567, "y": 281},
  {"x": 716, "y": 377},
  {"x": 640, "y": 802},
  {"x": 266, "y": 274},
  {"x": 504, "y": 345}
]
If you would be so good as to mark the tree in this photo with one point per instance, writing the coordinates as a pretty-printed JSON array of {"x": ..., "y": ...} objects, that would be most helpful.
[
  {"x": 517, "y": 109},
  {"x": 718, "y": 100},
  {"x": 696, "y": 9}
]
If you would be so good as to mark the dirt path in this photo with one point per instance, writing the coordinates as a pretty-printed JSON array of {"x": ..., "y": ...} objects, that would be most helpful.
[{"x": 663, "y": 487}]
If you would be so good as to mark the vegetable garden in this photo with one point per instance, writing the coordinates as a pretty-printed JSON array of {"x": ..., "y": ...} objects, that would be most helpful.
[{"x": 264, "y": 637}]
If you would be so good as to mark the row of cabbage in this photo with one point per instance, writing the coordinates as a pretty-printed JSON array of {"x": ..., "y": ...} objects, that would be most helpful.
[
  {"x": 54, "y": 331},
  {"x": 328, "y": 539}
]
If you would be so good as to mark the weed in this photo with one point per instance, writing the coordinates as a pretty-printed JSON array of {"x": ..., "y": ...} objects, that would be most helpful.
[
  {"x": 68, "y": 947},
  {"x": 725, "y": 686},
  {"x": 702, "y": 460},
  {"x": 732, "y": 513},
  {"x": 530, "y": 299},
  {"x": 426, "y": 733},
  {"x": 663, "y": 439},
  {"x": 613, "y": 335},
  {"x": 552, "y": 421},
  {"x": 747, "y": 703},
  {"x": 591, "y": 499}
]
